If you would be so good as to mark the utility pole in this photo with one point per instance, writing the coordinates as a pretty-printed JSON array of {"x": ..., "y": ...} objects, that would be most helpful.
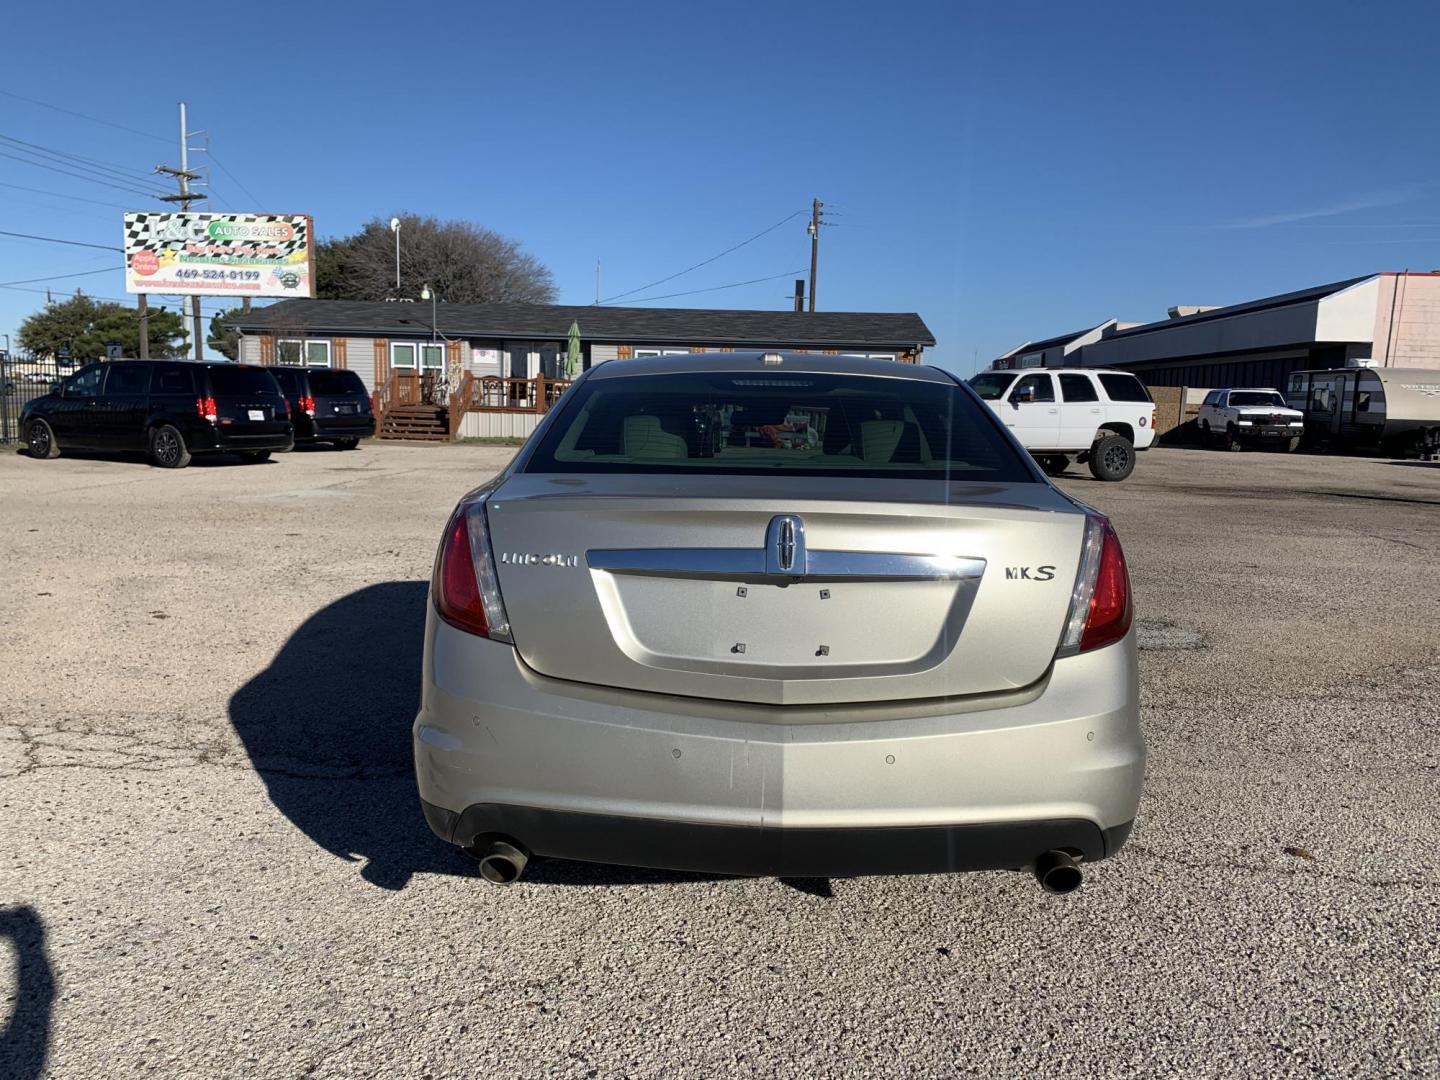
[
  {"x": 144, "y": 306},
  {"x": 597, "y": 281},
  {"x": 185, "y": 198},
  {"x": 814, "y": 231},
  {"x": 799, "y": 294}
]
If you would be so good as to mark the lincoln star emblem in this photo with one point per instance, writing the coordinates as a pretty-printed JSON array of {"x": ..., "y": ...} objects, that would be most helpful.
[{"x": 785, "y": 545}]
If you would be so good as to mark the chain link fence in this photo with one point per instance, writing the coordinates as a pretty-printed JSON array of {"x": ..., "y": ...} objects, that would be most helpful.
[{"x": 23, "y": 378}]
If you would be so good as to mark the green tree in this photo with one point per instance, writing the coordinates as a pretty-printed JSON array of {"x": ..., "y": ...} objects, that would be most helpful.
[
  {"x": 223, "y": 337},
  {"x": 86, "y": 326},
  {"x": 463, "y": 263}
]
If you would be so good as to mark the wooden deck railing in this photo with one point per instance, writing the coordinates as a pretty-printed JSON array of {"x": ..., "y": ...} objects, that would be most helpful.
[{"x": 497, "y": 393}]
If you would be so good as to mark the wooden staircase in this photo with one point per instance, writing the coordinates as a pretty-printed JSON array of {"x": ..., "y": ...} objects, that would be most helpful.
[{"x": 424, "y": 423}]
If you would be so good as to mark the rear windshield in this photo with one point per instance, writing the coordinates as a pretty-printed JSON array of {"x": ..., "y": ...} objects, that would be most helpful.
[
  {"x": 241, "y": 380},
  {"x": 1257, "y": 397},
  {"x": 330, "y": 383},
  {"x": 1124, "y": 388},
  {"x": 755, "y": 424},
  {"x": 990, "y": 385},
  {"x": 289, "y": 380}
]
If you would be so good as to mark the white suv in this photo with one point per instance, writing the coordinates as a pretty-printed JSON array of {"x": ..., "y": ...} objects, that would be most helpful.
[
  {"x": 1235, "y": 418},
  {"x": 1087, "y": 415}
]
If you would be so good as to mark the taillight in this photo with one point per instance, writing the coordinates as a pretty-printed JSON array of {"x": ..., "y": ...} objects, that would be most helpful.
[
  {"x": 307, "y": 405},
  {"x": 205, "y": 409},
  {"x": 1100, "y": 606},
  {"x": 465, "y": 587}
]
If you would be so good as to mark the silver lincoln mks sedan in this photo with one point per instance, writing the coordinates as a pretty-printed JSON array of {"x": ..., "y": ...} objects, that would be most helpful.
[{"x": 779, "y": 614}]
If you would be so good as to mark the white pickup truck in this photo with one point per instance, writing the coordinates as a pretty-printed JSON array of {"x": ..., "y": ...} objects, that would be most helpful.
[
  {"x": 1087, "y": 415},
  {"x": 1239, "y": 418}
]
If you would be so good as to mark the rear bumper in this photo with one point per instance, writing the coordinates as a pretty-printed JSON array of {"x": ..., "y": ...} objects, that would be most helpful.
[
  {"x": 358, "y": 427},
  {"x": 731, "y": 849},
  {"x": 589, "y": 773},
  {"x": 227, "y": 438}
]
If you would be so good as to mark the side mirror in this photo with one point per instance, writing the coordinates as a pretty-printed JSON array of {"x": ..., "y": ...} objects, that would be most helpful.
[
  {"x": 55, "y": 389},
  {"x": 1024, "y": 396}
]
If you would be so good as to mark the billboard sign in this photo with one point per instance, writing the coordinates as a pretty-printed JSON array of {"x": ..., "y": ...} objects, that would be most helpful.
[{"x": 219, "y": 254}]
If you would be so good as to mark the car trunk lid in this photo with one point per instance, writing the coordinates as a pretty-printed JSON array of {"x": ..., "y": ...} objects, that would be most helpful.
[{"x": 785, "y": 590}]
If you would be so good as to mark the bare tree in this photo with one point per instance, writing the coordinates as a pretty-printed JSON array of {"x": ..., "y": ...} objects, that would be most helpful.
[{"x": 461, "y": 262}]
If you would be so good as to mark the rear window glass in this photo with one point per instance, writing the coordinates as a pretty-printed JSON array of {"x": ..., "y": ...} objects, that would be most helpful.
[
  {"x": 1124, "y": 388},
  {"x": 335, "y": 382},
  {"x": 1078, "y": 388},
  {"x": 1256, "y": 397},
  {"x": 127, "y": 380},
  {"x": 753, "y": 424},
  {"x": 172, "y": 379},
  {"x": 241, "y": 380},
  {"x": 289, "y": 381}
]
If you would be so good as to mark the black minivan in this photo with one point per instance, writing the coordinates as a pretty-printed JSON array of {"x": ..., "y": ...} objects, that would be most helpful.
[
  {"x": 327, "y": 405},
  {"x": 169, "y": 408}
]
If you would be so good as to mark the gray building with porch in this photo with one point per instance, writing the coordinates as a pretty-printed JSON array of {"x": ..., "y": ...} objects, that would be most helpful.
[{"x": 485, "y": 370}]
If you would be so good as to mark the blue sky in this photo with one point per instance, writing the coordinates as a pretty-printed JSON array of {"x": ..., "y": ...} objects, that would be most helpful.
[{"x": 1008, "y": 171}]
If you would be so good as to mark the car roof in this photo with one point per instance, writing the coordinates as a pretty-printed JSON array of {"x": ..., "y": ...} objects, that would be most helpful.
[
  {"x": 1060, "y": 371},
  {"x": 791, "y": 362},
  {"x": 1251, "y": 390}
]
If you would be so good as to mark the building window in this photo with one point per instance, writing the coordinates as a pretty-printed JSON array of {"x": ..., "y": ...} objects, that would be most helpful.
[
  {"x": 640, "y": 354},
  {"x": 412, "y": 355},
  {"x": 870, "y": 355},
  {"x": 311, "y": 352}
]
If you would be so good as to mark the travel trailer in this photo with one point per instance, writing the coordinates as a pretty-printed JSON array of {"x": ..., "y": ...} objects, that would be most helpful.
[{"x": 1394, "y": 410}]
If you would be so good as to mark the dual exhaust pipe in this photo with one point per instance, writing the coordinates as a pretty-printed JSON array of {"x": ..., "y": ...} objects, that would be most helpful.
[
  {"x": 1058, "y": 872},
  {"x": 503, "y": 861}
]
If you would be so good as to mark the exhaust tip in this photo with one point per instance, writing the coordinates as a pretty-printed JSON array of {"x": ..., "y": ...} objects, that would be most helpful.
[
  {"x": 502, "y": 863},
  {"x": 1058, "y": 872}
]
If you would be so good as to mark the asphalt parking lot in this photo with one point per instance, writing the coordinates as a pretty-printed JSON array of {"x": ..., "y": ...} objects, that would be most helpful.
[{"x": 213, "y": 864}]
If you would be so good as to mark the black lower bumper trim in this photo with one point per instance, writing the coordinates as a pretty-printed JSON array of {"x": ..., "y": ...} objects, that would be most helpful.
[{"x": 750, "y": 851}]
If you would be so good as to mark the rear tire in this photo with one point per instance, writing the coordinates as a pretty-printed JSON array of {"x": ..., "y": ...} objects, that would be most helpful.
[
  {"x": 254, "y": 457},
  {"x": 40, "y": 439},
  {"x": 1206, "y": 438},
  {"x": 168, "y": 449},
  {"x": 1112, "y": 458},
  {"x": 1290, "y": 445},
  {"x": 346, "y": 444},
  {"x": 1232, "y": 439}
]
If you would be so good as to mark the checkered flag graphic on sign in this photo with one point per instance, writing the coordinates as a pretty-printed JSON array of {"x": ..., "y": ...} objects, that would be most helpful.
[{"x": 157, "y": 231}]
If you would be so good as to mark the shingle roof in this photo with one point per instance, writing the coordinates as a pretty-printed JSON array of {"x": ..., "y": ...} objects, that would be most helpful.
[{"x": 627, "y": 325}]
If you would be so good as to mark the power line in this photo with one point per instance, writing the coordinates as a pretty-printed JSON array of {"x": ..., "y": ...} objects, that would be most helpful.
[
  {"x": 81, "y": 176},
  {"x": 717, "y": 288},
  {"x": 58, "y": 195},
  {"x": 82, "y": 116},
  {"x": 246, "y": 191},
  {"x": 57, "y": 277},
  {"x": 122, "y": 172},
  {"x": 705, "y": 262},
  {"x": 57, "y": 240}
]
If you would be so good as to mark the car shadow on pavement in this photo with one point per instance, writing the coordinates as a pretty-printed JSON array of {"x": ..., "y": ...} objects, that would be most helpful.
[
  {"x": 25, "y": 1038},
  {"x": 327, "y": 727}
]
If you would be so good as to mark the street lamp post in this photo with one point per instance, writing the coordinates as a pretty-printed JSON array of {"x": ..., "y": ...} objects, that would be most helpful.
[
  {"x": 395, "y": 228},
  {"x": 426, "y": 293}
]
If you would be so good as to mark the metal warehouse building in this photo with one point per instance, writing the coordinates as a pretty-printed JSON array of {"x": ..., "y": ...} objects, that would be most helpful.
[{"x": 1387, "y": 319}]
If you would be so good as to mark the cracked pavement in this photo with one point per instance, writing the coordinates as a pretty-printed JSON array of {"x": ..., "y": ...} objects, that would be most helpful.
[{"x": 214, "y": 865}]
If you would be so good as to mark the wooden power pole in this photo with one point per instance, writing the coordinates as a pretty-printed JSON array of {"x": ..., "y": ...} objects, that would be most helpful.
[
  {"x": 814, "y": 231},
  {"x": 185, "y": 198}
]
